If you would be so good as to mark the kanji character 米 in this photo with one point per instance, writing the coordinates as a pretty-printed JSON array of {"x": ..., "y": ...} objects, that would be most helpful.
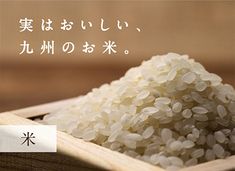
[{"x": 109, "y": 47}]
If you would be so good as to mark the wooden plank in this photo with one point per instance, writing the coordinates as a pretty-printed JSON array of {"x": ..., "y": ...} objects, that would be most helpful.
[
  {"x": 43, "y": 162},
  {"x": 216, "y": 165},
  {"x": 84, "y": 152}
]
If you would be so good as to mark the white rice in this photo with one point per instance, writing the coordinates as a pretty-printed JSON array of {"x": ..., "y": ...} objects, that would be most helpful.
[
  {"x": 169, "y": 111},
  {"x": 148, "y": 132}
]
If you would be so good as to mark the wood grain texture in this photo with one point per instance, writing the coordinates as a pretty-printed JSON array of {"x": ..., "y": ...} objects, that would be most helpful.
[
  {"x": 83, "y": 152},
  {"x": 43, "y": 162}
]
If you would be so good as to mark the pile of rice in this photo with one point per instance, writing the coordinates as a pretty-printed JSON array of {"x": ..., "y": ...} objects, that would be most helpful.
[{"x": 169, "y": 112}]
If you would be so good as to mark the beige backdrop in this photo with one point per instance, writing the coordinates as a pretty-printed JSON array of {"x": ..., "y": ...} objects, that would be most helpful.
[{"x": 204, "y": 30}]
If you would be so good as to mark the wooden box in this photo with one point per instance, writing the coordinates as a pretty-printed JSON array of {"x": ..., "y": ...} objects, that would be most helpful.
[{"x": 76, "y": 154}]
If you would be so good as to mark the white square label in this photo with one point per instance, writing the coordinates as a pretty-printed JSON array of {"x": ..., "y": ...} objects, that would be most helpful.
[{"x": 28, "y": 138}]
